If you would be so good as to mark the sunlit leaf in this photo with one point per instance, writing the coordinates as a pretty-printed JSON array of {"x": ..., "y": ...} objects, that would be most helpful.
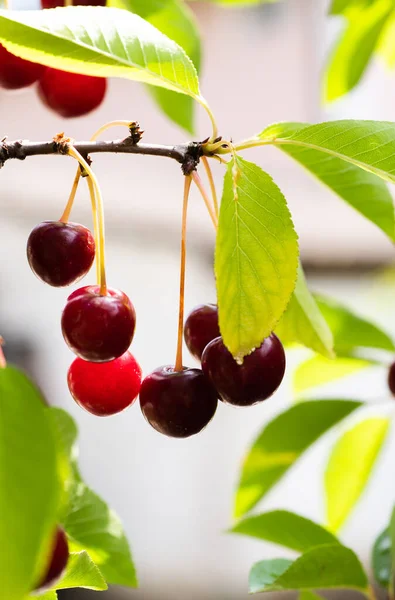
[
  {"x": 281, "y": 443},
  {"x": 319, "y": 370},
  {"x": 256, "y": 257},
  {"x": 82, "y": 572},
  {"x": 350, "y": 466}
]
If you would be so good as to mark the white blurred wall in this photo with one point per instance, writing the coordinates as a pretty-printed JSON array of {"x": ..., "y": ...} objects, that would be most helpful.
[{"x": 261, "y": 66}]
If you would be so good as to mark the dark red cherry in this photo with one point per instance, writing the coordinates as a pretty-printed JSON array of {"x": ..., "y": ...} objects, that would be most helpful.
[
  {"x": 177, "y": 403},
  {"x": 105, "y": 389},
  {"x": 98, "y": 328},
  {"x": 59, "y": 555},
  {"x": 201, "y": 327},
  {"x": 16, "y": 73},
  {"x": 391, "y": 379},
  {"x": 56, "y": 3},
  {"x": 70, "y": 94},
  {"x": 60, "y": 253},
  {"x": 254, "y": 381}
]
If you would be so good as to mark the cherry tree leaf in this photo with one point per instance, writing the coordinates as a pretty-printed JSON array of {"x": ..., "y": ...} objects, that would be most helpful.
[
  {"x": 176, "y": 20},
  {"x": 303, "y": 322},
  {"x": 285, "y": 529},
  {"x": 306, "y": 595},
  {"x": 256, "y": 257},
  {"x": 106, "y": 42},
  {"x": 350, "y": 466},
  {"x": 81, "y": 572},
  {"x": 281, "y": 443},
  {"x": 340, "y": 141},
  {"x": 331, "y": 566},
  {"x": 382, "y": 559}
]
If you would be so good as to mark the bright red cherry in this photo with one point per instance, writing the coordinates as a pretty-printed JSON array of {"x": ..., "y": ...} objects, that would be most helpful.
[
  {"x": 98, "y": 328},
  {"x": 56, "y": 3},
  {"x": 177, "y": 403},
  {"x": 60, "y": 253},
  {"x": 255, "y": 380},
  {"x": 391, "y": 379},
  {"x": 70, "y": 94},
  {"x": 201, "y": 327},
  {"x": 57, "y": 560},
  {"x": 16, "y": 73},
  {"x": 105, "y": 389}
]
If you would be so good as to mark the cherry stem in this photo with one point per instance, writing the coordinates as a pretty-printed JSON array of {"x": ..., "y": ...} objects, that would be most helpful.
[
  {"x": 100, "y": 218},
  {"x": 66, "y": 213},
  {"x": 196, "y": 178},
  {"x": 187, "y": 186},
  {"x": 95, "y": 226},
  {"x": 3, "y": 362},
  {"x": 212, "y": 184}
]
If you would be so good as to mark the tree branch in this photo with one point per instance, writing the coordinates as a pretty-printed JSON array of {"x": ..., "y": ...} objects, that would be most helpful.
[{"x": 188, "y": 154}]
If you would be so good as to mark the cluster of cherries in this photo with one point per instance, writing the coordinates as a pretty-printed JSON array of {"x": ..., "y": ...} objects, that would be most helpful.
[
  {"x": 68, "y": 94},
  {"x": 98, "y": 325}
]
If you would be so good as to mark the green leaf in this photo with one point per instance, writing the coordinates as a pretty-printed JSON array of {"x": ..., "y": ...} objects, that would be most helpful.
[
  {"x": 266, "y": 571},
  {"x": 176, "y": 20},
  {"x": 351, "y": 331},
  {"x": 106, "y": 42},
  {"x": 51, "y": 595},
  {"x": 65, "y": 429},
  {"x": 362, "y": 190},
  {"x": 392, "y": 535},
  {"x": 82, "y": 572},
  {"x": 355, "y": 49},
  {"x": 339, "y": 7},
  {"x": 303, "y": 322},
  {"x": 281, "y": 443},
  {"x": 324, "y": 567},
  {"x": 381, "y": 559},
  {"x": 256, "y": 257},
  {"x": 286, "y": 529},
  {"x": 319, "y": 370},
  {"x": 386, "y": 46},
  {"x": 29, "y": 486},
  {"x": 350, "y": 466},
  {"x": 92, "y": 526},
  {"x": 306, "y": 595}
]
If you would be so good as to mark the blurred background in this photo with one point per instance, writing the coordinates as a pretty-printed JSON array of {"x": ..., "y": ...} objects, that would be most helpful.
[{"x": 261, "y": 65}]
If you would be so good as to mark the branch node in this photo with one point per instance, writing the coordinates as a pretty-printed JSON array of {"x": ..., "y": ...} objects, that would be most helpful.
[
  {"x": 192, "y": 157},
  {"x": 136, "y": 133}
]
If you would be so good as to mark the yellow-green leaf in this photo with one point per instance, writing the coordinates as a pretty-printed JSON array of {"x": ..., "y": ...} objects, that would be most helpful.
[
  {"x": 319, "y": 370},
  {"x": 350, "y": 466},
  {"x": 82, "y": 572},
  {"x": 256, "y": 257}
]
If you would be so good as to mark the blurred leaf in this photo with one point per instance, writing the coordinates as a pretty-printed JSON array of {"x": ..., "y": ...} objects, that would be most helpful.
[
  {"x": 176, "y": 20},
  {"x": 355, "y": 48},
  {"x": 266, "y": 571},
  {"x": 350, "y": 466},
  {"x": 117, "y": 43},
  {"x": 339, "y": 7},
  {"x": 381, "y": 559},
  {"x": 351, "y": 331},
  {"x": 281, "y": 443},
  {"x": 241, "y": 2},
  {"x": 256, "y": 257},
  {"x": 29, "y": 486},
  {"x": 324, "y": 567},
  {"x": 82, "y": 572},
  {"x": 285, "y": 529},
  {"x": 303, "y": 322},
  {"x": 392, "y": 536},
  {"x": 386, "y": 46},
  {"x": 362, "y": 190},
  {"x": 94, "y": 527},
  {"x": 306, "y": 595},
  {"x": 319, "y": 370},
  {"x": 50, "y": 595}
]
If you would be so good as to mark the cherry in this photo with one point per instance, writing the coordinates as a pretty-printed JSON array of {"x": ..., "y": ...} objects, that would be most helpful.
[
  {"x": 57, "y": 560},
  {"x": 60, "y": 253},
  {"x": 391, "y": 379},
  {"x": 105, "y": 389},
  {"x": 16, "y": 73},
  {"x": 98, "y": 328},
  {"x": 201, "y": 327},
  {"x": 70, "y": 94},
  {"x": 254, "y": 381},
  {"x": 177, "y": 403},
  {"x": 56, "y": 3}
]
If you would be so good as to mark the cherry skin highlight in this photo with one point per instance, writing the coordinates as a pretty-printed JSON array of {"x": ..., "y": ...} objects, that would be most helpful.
[
  {"x": 177, "y": 403},
  {"x": 17, "y": 73},
  {"x": 70, "y": 94},
  {"x": 201, "y": 327},
  {"x": 254, "y": 381},
  {"x": 391, "y": 379},
  {"x": 105, "y": 389},
  {"x": 98, "y": 328},
  {"x": 57, "y": 560},
  {"x": 60, "y": 253}
]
